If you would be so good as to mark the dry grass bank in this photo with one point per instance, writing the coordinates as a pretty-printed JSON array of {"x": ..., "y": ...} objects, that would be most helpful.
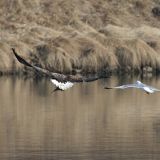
[{"x": 80, "y": 36}]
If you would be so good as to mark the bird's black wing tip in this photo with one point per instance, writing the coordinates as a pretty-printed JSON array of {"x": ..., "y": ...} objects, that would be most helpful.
[
  {"x": 14, "y": 52},
  {"x": 16, "y": 55},
  {"x": 20, "y": 59}
]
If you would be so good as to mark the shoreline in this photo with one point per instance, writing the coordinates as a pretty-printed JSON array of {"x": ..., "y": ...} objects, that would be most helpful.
[{"x": 104, "y": 74}]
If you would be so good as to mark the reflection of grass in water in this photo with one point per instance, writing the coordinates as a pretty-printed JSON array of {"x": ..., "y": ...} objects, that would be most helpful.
[{"x": 79, "y": 121}]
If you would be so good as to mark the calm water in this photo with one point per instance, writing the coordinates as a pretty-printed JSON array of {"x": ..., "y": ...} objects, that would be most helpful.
[{"x": 83, "y": 123}]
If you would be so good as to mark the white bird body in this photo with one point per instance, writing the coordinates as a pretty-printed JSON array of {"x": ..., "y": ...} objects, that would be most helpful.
[
  {"x": 138, "y": 85},
  {"x": 62, "y": 85}
]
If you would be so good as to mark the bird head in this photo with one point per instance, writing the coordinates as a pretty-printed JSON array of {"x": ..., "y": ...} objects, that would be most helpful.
[{"x": 138, "y": 82}]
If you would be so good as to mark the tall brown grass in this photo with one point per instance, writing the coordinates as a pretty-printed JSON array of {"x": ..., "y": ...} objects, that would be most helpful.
[{"x": 80, "y": 36}]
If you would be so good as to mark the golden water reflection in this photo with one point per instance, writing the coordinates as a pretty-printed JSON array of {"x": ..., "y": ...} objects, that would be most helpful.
[{"x": 85, "y": 122}]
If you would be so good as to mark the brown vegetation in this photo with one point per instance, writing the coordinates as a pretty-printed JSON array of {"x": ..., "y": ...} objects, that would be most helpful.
[{"x": 80, "y": 36}]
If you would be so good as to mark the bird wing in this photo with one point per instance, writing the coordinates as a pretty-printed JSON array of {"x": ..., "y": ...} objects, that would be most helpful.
[
  {"x": 123, "y": 86},
  {"x": 148, "y": 89},
  {"x": 40, "y": 70},
  {"x": 152, "y": 88},
  {"x": 155, "y": 89},
  {"x": 59, "y": 77},
  {"x": 61, "y": 85}
]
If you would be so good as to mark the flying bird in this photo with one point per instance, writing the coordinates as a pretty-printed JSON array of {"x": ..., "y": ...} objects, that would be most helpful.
[
  {"x": 138, "y": 85},
  {"x": 61, "y": 81}
]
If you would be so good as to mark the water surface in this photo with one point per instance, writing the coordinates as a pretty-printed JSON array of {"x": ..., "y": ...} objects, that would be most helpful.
[{"x": 83, "y": 123}]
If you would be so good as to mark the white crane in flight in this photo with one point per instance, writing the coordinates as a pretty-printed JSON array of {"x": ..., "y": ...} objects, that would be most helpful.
[{"x": 138, "y": 85}]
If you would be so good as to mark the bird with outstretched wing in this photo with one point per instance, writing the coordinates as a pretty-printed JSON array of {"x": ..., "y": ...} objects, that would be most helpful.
[
  {"x": 61, "y": 81},
  {"x": 138, "y": 85}
]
